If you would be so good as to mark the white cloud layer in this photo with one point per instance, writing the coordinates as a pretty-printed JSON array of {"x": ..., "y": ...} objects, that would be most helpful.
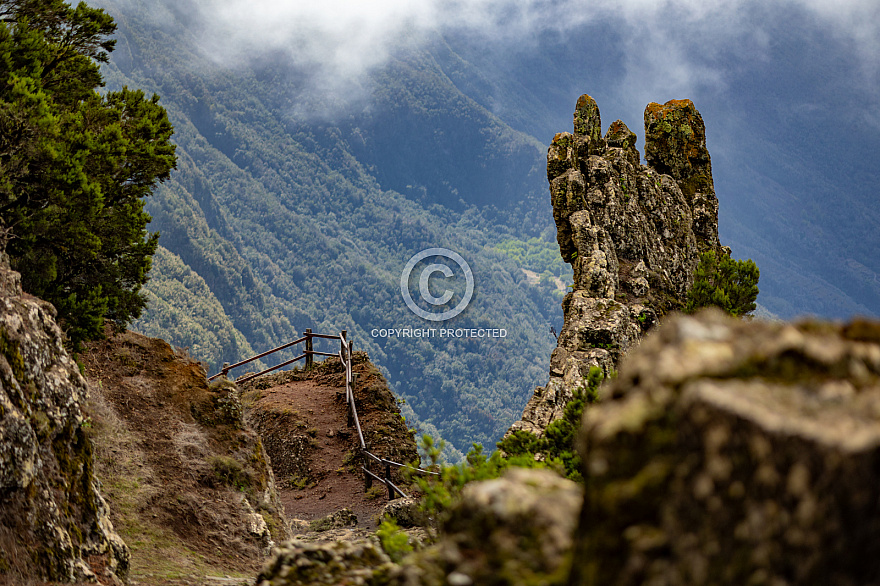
[{"x": 669, "y": 45}]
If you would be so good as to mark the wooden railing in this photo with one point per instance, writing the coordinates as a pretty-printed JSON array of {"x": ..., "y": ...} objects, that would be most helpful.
[
  {"x": 345, "y": 356},
  {"x": 309, "y": 354}
]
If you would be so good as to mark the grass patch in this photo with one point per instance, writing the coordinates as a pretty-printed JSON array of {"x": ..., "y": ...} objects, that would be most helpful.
[
  {"x": 298, "y": 482},
  {"x": 157, "y": 553},
  {"x": 376, "y": 491},
  {"x": 230, "y": 472}
]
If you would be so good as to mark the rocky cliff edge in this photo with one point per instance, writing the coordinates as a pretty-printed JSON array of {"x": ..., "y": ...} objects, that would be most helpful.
[
  {"x": 54, "y": 523},
  {"x": 632, "y": 232}
]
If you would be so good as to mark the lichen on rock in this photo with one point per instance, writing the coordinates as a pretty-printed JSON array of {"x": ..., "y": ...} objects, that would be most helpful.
[
  {"x": 735, "y": 452},
  {"x": 675, "y": 144},
  {"x": 633, "y": 234},
  {"x": 514, "y": 530},
  {"x": 298, "y": 563},
  {"x": 54, "y": 521}
]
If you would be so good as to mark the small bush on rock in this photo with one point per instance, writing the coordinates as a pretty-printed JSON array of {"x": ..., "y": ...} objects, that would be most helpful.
[
  {"x": 554, "y": 450},
  {"x": 394, "y": 540},
  {"x": 727, "y": 283}
]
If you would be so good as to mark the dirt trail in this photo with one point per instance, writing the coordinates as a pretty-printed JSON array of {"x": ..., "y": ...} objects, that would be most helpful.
[
  {"x": 335, "y": 480},
  {"x": 303, "y": 420}
]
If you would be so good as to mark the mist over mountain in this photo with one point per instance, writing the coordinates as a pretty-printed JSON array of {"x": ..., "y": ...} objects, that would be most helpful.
[{"x": 319, "y": 153}]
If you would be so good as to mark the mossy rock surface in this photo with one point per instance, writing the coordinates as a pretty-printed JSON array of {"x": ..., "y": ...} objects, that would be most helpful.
[
  {"x": 55, "y": 522},
  {"x": 632, "y": 233},
  {"x": 735, "y": 452}
]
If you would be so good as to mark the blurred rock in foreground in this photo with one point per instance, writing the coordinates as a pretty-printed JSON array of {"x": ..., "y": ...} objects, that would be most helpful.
[
  {"x": 513, "y": 530},
  {"x": 736, "y": 452}
]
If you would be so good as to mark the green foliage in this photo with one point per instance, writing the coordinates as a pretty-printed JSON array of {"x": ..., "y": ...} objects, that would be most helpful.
[
  {"x": 557, "y": 443},
  {"x": 439, "y": 493},
  {"x": 375, "y": 492},
  {"x": 554, "y": 450},
  {"x": 394, "y": 540},
  {"x": 184, "y": 309},
  {"x": 727, "y": 283},
  {"x": 75, "y": 165},
  {"x": 230, "y": 472},
  {"x": 298, "y": 482},
  {"x": 536, "y": 254}
]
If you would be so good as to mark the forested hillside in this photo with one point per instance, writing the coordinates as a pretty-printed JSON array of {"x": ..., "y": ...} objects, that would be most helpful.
[
  {"x": 296, "y": 206},
  {"x": 274, "y": 223}
]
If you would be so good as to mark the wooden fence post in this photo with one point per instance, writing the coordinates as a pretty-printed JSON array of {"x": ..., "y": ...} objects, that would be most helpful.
[
  {"x": 309, "y": 357},
  {"x": 388, "y": 483}
]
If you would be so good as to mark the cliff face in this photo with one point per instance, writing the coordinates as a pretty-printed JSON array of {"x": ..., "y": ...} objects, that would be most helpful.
[
  {"x": 633, "y": 234},
  {"x": 54, "y": 522}
]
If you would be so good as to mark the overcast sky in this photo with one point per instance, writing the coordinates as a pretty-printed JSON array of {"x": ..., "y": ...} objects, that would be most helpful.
[{"x": 676, "y": 48}]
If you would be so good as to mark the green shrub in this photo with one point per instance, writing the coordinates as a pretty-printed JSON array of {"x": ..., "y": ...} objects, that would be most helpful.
[
  {"x": 298, "y": 482},
  {"x": 556, "y": 446},
  {"x": 554, "y": 450},
  {"x": 376, "y": 491},
  {"x": 729, "y": 284},
  {"x": 394, "y": 540},
  {"x": 230, "y": 472},
  {"x": 439, "y": 493}
]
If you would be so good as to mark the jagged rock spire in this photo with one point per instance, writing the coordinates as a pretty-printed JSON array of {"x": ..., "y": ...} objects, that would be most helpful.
[
  {"x": 633, "y": 234},
  {"x": 587, "y": 121},
  {"x": 675, "y": 145}
]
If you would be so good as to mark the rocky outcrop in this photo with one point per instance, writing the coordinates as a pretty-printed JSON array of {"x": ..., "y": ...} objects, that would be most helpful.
[
  {"x": 732, "y": 452},
  {"x": 516, "y": 529},
  {"x": 405, "y": 512},
  {"x": 54, "y": 523},
  {"x": 336, "y": 520},
  {"x": 360, "y": 563},
  {"x": 632, "y": 233}
]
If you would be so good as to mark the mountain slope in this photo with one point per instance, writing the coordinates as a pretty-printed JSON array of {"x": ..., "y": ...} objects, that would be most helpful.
[
  {"x": 294, "y": 223},
  {"x": 298, "y": 208}
]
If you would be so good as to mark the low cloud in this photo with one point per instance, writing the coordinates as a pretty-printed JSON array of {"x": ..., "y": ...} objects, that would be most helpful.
[{"x": 670, "y": 48}]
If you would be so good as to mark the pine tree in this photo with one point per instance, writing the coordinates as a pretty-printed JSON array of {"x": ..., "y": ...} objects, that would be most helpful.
[
  {"x": 75, "y": 165},
  {"x": 727, "y": 283}
]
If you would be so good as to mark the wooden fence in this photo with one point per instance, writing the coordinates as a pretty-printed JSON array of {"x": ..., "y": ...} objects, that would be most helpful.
[{"x": 345, "y": 356}]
